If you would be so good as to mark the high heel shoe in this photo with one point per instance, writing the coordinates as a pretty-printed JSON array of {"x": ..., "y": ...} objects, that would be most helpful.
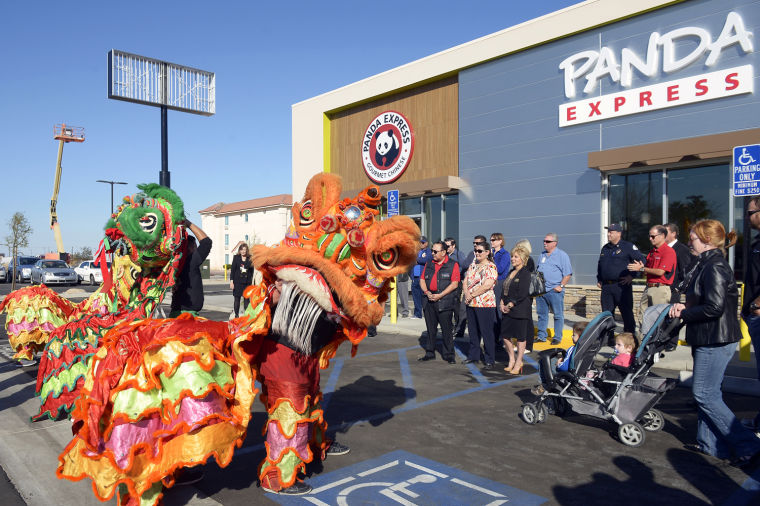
[{"x": 516, "y": 373}]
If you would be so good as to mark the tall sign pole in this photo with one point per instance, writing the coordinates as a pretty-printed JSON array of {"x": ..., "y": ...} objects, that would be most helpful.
[{"x": 148, "y": 81}]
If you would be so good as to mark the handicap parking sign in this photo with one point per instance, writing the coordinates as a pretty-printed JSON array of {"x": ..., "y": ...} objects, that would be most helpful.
[
  {"x": 747, "y": 170},
  {"x": 392, "y": 203},
  {"x": 404, "y": 478}
]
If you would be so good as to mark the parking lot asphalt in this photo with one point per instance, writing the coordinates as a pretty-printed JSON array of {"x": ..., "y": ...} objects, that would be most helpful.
[{"x": 452, "y": 434}]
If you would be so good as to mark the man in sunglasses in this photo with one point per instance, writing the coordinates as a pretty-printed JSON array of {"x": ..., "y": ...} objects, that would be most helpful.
[
  {"x": 660, "y": 269},
  {"x": 555, "y": 265},
  {"x": 751, "y": 304},
  {"x": 439, "y": 282}
]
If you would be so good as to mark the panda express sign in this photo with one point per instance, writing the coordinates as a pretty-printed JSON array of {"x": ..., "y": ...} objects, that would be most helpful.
[
  {"x": 387, "y": 147},
  {"x": 698, "y": 42}
]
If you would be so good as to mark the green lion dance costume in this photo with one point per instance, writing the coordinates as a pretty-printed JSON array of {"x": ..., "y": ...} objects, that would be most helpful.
[
  {"x": 146, "y": 236},
  {"x": 163, "y": 394}
]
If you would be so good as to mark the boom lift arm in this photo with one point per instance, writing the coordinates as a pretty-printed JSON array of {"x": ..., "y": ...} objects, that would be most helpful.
[{"x": 63, "y": 134}]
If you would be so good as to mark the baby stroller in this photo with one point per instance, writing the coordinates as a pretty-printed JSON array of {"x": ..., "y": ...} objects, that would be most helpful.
[{"x": 626, "y": 396}]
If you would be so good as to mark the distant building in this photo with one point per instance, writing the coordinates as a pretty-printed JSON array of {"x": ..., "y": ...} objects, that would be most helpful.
[{"x": 257, "y": 221}]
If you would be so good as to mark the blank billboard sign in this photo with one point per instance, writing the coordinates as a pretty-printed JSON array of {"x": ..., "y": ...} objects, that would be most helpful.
[{"x": 148, "y": 81}]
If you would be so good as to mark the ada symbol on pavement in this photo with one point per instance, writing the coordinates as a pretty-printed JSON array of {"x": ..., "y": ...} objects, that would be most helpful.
[{"x": 403, "y": 478}]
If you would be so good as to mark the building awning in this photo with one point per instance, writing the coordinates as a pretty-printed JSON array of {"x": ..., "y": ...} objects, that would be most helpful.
[
  {"x": 658, "y": 153},
  {"x": 434, "y": 185}
]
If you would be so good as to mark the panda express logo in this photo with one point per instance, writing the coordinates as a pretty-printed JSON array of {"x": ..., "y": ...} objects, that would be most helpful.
[{"x": 387, "y": 147}]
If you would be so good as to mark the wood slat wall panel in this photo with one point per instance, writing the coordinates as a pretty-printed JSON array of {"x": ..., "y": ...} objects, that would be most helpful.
[{"x": 432, "y": 110}]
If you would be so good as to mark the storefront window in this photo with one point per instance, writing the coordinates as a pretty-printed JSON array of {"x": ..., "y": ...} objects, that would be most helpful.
[
  {"x": 411, "y": 206},
  {"x": 636, "y": 203},
  {"x": 451, "y": 213},
  {"x": 691, "y": 194},
  {"x": 432, "y": 219},
  {"x": 695, "y": 194}
]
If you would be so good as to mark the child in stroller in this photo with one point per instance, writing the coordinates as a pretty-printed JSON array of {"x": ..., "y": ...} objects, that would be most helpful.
[{"x": 590, "y": 390}]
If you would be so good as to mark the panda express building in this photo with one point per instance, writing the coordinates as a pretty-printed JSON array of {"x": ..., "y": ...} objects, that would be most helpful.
[{"x": 605, "y": 111}]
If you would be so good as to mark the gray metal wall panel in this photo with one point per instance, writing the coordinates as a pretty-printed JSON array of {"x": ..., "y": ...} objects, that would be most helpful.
[{"x": 529, "y": 177}]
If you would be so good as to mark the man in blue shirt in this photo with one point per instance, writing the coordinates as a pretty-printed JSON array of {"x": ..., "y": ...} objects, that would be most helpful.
[
  {"x": 555, "y": 265},
  {"x": 422, "y": 258}
]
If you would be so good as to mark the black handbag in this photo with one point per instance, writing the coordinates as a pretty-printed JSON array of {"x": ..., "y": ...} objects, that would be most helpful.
[{"x": 537, "y": 284}]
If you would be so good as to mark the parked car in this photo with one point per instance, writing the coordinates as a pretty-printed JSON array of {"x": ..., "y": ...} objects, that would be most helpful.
[
  {"x": 21, "y": 269},
  {"x": 89, "y": 273},
  {"x": 3, "y": 273},
  {"x": 53, "y": 272}
]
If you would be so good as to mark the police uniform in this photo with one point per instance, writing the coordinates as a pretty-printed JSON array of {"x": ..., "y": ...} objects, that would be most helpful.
[{"x": 611, "y": 269}]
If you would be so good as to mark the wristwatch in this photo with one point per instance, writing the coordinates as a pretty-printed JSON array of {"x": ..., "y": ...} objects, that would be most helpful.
[
  {"x": 754, "y": 307},
  {"x": 561, "y": 285}
]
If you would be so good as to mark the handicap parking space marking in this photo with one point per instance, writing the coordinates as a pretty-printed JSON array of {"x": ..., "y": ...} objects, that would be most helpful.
[{"x": 403, "y": 478}]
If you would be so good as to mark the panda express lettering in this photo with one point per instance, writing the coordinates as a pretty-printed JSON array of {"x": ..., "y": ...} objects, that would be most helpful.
[{"x": 689, "y": 90}]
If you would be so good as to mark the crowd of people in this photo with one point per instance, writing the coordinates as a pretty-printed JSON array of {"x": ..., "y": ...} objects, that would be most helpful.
[{"x": 488, "y": 292}]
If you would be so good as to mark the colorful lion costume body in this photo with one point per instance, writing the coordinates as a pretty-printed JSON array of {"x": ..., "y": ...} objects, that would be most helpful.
[
  {"x": 146, "y": 236},
  {"x": 165, "y": 394}
]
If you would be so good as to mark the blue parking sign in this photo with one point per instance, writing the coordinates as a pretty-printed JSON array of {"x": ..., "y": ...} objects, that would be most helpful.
[
  {"x": 392, "y": 203},
  {"x": 747, "y": 170}
]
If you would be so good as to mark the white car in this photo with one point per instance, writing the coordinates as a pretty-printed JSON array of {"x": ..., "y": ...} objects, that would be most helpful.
[{"x": 89, "y": 274}]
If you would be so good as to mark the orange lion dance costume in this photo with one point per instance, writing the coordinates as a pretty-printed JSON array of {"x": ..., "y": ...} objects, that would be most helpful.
[{"x": 161, "y": 395}]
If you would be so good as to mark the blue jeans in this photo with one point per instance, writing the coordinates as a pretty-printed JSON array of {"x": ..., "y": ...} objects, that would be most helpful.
[
  {"x": 417, "y": 297},
  {"x": 719, "y": 432},
  {"x": 753, "y": 325},
  {"x": 555, "y": 301}
]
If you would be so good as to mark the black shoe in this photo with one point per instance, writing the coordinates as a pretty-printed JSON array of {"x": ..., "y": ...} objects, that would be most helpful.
[
  {"x": 696, "y": 448},
  {"x": 670, "y": 347},
  {"x": 297, "y": 488},
  {"x": 470, "y": 361},
  {"x": 187, "y": 476},
  {"x": 425, "y": 358},
  {"x": 488, "y": 367},
  {"x": 337, "y": 449},
  {"x": 539, "y": 340},
  {"x": 451, "y": 360},
  {"x": 555, "y": 342}
]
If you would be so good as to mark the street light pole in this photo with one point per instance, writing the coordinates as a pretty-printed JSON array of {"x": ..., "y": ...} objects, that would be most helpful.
[{"x": 111, "y": 183}]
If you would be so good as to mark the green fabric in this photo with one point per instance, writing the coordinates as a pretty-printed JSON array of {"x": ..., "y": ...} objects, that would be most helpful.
[
  {"x": 65, "y": 378},
  {"x": 190, "y": 375},
  {"x": 30, "y": 314}
]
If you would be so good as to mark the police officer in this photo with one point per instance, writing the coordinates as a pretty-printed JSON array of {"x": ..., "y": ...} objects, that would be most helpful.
[{"x": 613, "y": 276}]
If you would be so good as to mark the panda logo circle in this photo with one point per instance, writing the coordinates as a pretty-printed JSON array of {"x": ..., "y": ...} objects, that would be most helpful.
[{"x": 387, "y": 147}]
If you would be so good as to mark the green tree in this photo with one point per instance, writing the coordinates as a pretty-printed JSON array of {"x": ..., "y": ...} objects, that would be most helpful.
[{"x": 20, "y": 230}]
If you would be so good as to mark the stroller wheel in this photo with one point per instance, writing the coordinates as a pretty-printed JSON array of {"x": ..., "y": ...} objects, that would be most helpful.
[
  {"x": 631, "y": 434},
  {"x": 529, "y": 413},
  {"x": 543, "y": 412},
  {"x": 653, "y": 420}
]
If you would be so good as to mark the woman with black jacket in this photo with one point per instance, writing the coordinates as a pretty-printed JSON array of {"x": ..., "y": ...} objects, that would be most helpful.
[
  {"x": 515, "y": 305},
  {"x": 712, "y": 331},
  {"x": 241, "y": 276}
]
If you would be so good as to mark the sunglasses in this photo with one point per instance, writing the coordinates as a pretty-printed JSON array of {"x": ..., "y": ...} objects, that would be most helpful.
[
  {"x": 437, "y": 251},
  {"x": 750, "y": 213},
  {"x": 480, "y": 251},
  {"x": 653, "y": 236},
  {"x": 545, "y": 241}
]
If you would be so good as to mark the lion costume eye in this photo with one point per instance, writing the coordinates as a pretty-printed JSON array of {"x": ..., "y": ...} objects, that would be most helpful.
[
  {"x": 148, "y": 222},
  {"x": 386, "y": 259},
  {"x": 307, "y": 214}
]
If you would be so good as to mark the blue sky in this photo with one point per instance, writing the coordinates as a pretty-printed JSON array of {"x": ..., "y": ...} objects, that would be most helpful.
[{"x": 266, "y": 56}]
